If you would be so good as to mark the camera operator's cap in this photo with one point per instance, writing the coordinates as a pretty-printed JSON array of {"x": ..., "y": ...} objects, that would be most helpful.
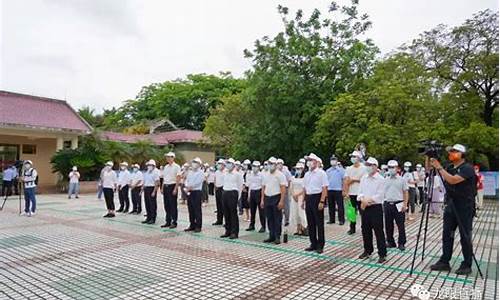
[
  {"x": 230, "y": 161},
  {"x": 197, "y": 160},
  {"x": 392, "y": 163},
  {"x": 220, "y": 161},
  {"x": 313, "y": 156},
  {"x": 256, "y": 163},
  {"x": 372, "y": 161},
  {"x": 151, "y": 162},
  {"x": 456, "y": 147},
  {"x": 407, "y": 164},
  {"x": 109, "y": 163},
  {"x": 170, "y": 154},
  {"x": 246, "y": 162},
  {"x": 124, "y": 163},
  {"x": 356, "y": 154},
  {"x": 280, "y": 161}
]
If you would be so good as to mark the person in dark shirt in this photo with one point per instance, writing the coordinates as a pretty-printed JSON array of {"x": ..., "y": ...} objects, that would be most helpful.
[{"x": 460, "y": 182}]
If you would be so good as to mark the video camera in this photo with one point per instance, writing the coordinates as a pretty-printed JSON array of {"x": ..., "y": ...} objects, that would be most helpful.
[{"x": 432, "y": 149}]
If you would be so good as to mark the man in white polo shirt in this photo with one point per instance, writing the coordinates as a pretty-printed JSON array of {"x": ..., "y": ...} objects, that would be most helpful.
[
  {"x": 171, "y": 176},
  {"x": 151, "y": 179},
  {"x": 136, "y": 181},
  {"x": 193, "y": 186},
  {"x": 232, "y": 188},
  {"x": 316, "y": 191},
  {"x": 353, "y": 176},
  {"x": 219, "y": 183},
  {"x": 395, "y": 204},
  {"x": 254, "y": 183},
  {"x": 123, "y": 187},
  {"x": 273, "y": 200}
]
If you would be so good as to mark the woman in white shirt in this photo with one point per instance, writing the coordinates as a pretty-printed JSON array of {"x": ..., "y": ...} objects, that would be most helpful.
[
  {"x": 74, "y": 184},
  {"x": 297, "y": 205},
  {"x": 409, "y": 176},
  {"x": 109, "y": 181}
]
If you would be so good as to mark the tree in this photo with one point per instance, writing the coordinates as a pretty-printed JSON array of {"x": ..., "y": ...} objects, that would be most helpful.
[{"x": 89, "y": 115}]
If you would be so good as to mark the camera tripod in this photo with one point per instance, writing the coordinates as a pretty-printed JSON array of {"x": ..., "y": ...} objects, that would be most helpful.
[
  {"x": 425, "y": 214},
  {"x": 19, "y": 186}
]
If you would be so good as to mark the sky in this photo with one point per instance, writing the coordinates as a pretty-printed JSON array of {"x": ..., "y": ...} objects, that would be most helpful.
[{"x": 101, "y": 52}]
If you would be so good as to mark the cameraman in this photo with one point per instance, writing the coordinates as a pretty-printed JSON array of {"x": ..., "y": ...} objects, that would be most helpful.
[{"x": 460, "y": 183}]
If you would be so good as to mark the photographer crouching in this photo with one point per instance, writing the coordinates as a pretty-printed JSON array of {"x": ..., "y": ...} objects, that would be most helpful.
[{"x": 460, "y": 183}]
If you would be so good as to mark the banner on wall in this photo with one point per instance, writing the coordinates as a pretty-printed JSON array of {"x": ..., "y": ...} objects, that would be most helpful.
[{"x": 490, "y": 183}]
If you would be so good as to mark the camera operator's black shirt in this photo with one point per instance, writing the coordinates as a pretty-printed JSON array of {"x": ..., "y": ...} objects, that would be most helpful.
[{"x": 462, "y": 193}]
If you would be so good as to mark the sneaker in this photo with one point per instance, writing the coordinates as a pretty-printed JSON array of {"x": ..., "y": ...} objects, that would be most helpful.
[
  {"x": 277, "y": 242},
  {"x": 197, "y": 230},
  {"x": 173, "y": 226},
  {"x": 440, "y": 266},
  {"x": 330, "y": 222},
  {"x": 463, "y": 270},
  {"x": 33, "y": 213},
  {"x": 364, "y": 255},
  {"x": 29, "y": 214},
  {"x": 319, "y": 250},
  {"x": 189, "y": 229}
]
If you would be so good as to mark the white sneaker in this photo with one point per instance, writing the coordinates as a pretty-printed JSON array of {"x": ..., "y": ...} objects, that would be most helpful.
[
  {"x": 29, "y": 214},
  {"x": 24, "y": 213},
  {"x": 33, "y": 213}
]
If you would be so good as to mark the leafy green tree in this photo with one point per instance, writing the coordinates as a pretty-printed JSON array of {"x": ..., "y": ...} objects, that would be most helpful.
[{"x": 89, "y": 115}]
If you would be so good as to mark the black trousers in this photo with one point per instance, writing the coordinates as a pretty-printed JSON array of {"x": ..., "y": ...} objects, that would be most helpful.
[
  {"x": 274, "y": 216},
  {"x": 108, "y": 197},
  {"x": 254, "y": 205},
  {"x": 336, "y": 202},
  {"x": 6, "y": 188},
  {"x": 230, "y": 207},
  {"x": 218, "y": 203},
  {"x": 421, "y": 195},
  {"x": 136, "y": 199},
  {"x": 356, "y": 204},
  {"x": 170, "y": 204},
  {"x": 150, "y": 203},
  {"x": 372, "y": 220},
  {"x": 211, "y": 188},
  {"x": 450, "y": 224},
  {"x": 123, "y": 197},
  {"x": 315, "y": 221},
  {"x": 392, "y": 215},
  {"x": 194, "y": 209}
]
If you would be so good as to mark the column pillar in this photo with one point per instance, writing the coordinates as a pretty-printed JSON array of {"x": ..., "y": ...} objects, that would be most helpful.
[
  {"x": 60, "y": 143},
  {"x": 74, "y": 142}
]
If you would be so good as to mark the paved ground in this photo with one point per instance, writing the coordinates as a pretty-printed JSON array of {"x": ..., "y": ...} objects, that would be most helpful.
[{"x": 68, "y": 251}]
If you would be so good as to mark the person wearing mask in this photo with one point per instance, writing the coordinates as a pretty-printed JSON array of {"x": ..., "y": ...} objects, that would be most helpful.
[
  {"x": 420, "y": 176},
  {"x": 460, "y": 184},
  {"x": 352, "y": 178},
  {"x": 383, "y": 171},
  {"x": 411, "y": 181},
  {"x": 371, "y": 197},
  {"x": 335, "y": 183},
  {"x": 151, "y": 181},
  {"x": 161, "y": 178},
  {"x": 232, "y": 187},
  {"x": 136, "y": 182},
  {"x": 74, "y": 179},
  {"x": 193, "y": 187},
  {"x": 219, "y": 183},
  {"x": 316, "y": 193},
  {"x": 109, "y": 181},
  {"x": 182, "y": 180},
  {"x": 273, "y": 200},
  {"x": 284, "y": 169},
  {"x": 204, "y": 189},
  {"x": 438, "y": 192},
  {"x": 479, "y": 187},
  {"x": 395, "y": 205},
  {"x": 9, "y": 175},
  {"x": 30, "y": 179},
  {"x": 123, "y": 187},
  {"x": 297, "y": 204},
  {"x": 171, "y": 176},
  {"x": 211, "y": 182},
  {"x": 245, "y": 204},
  {"x": 253, "y": 182}
]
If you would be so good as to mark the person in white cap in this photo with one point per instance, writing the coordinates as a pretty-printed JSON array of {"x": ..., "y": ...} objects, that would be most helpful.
[
  {"x": 244, "y": 203},
  {"x": 335, "y": 184},
  {"x": 151, "y": 178},
  {"x": 316, "y": 193},
  {"x": 74, "y": 182},
  {"x": 233, "y": 185},
  {"x": 383, "y": 170},
  {"x": 273, "y": 200},
  {"x": 371, "y": 197},
  {"x": 409, "y": 176},
  {"x": 352, "y": 179},
  {"x": 109, "y": 181},
  {"x": 182, "y": 180},
  {"x": 460, "y": 184},
  {"x": 395, "y": 205},
  {"x": 171, "y": 178},
  {"x": 420, "y": 173},
  {"x": 193, "y": 187},
  {"x": 136, "y": 182},
  {"x": 253, "y": 182},
  {"x": 204, "y": 190},
  {"x": 219, "y": 183},
  {"x": 123, "y": 187},
  {"x": 297, "y": 204},
  {"x": 211, "y": 181},
  {"x": 284, "y": 169},
  {"x": 29, "y": 178}
]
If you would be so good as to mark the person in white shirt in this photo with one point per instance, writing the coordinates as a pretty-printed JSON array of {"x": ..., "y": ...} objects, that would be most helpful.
[
  {"x": 284, "y": 169},
  {"x": 438, "y": 193},
  {"x": 253, "y": 182},
  {"x": 193, "y": 187},
  {"x": 316, "y": 193},
  {"x": 232, "y": 188},
  {"x": 409, "y": 176},
  {"x": 420, "y": 176},
  {"x": 108, "y": 182},
  {"x": 371, "y": 196},
  {"x": 244, "y": 203},
  {"x": 123, "y": 187},
  {"x": 273, "y": 200},
  {"x": 353, "y": 176},
  {"x": 74, "y": 182},
  {"x": 297, "y": 204},
  {"x": 136, "y": 181},
  {"x": 151, "y": 183},
  {"x": 171, "y": 178},
  {"x": 211, "y": 182},
  {"x": 219, "y": 183},
  {"x": 9, "y": 176},
  {"x": 204, "y": 190},
  {"x": 29, "y": 178}
]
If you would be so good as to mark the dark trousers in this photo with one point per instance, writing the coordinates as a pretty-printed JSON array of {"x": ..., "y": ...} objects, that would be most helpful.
[
  {"x": 412, "y": 194},
  {"x": 372, "y": 220},
  {"x": 336, "y": 202},
  {"x": 315, "y": 221},
  {"x": 194, "y": 209},
  {"x": 230, "y": 207},
  {"x": 355, "y": 204},
  {"x": 6, "y": 188},
  {"x": 421, "y": 195},
  {"x": 170, "y": 204},
  {"x": 29, "y": 200},
  {"x": 123, "y": 197},
  {"x": 254, "y": 205},
  {"x": 393, "y": 215},
  {"x": 450, "y": 224},
  {"x": 211, "y": 188},
  {"x": 218, "y": 203},
  {"x": 274, "y": 216},
  {"x": 109, "y": 197},
  {"x": 150, "y": 203},
  {"x": 136, "y": 199}
]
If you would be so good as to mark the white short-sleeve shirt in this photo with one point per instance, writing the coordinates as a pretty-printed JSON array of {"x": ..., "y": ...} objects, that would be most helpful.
[
  {"x": 273, "y": 182},
  {"x": 314, "y": 181},
  {"x": 355, "y": 173},
  {"x": 170, "y": 173}
]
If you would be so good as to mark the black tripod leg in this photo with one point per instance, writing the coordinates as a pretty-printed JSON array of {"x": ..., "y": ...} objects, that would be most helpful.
[
  {"x": 418, "y": 240},
  {"x": 426, "y": 213}
]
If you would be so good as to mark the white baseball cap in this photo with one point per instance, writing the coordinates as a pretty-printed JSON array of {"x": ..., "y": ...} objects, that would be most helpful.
[
  {"x": 136, "y": 166},
  {"x": 302, "y": 161},
  {"x": 170, "y": 154},
  {"x": 392, "y": 163},
  {"x": 356, "y": 154},
  {"x": 231, "y": 160},
  {"x": 457, "y": 147},
  {"x": 407, "y": 164},
  {"x": 299, "y": 166},
  {"x": 151, "y": 162},
  {"x": 109, "y": 163},
  {"x": 256, "y": 163},
  {"x": 372, "y": 161},
  {"x": 419, "y": 165},
  {"x": 280, "y": 161},
  {"x": 220, "y": 161},
  {"x": 272, "y": 160},
  {"x": 197, "y": 160},
  {"x": 313, "y": 156},
  {"x": 246, "y": 162},
  {"x": 383, "y": 166},
  {"x": 124, "y": 163},
  {"x": 238, "y": 163}
]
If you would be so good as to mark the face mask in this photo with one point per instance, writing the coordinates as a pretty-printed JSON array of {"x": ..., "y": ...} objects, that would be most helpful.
[
  {"x": 333, "y": 163},
  {"x": 195, "y": 166},
  {"x": 150, "y": 168},
  {"x": 309, "y": 164},
  {"x": 229, "y": 166},
  {"x": 392, "y": 172},
  {"x": 272, "y": 167},
  {"x": 407, "y": 169},
  {"x": 123, "y": 168},
  {"x": 266, "y": 167},
  {"x": 354, "y": 160},
  {"x": 255, "y": 169},
  {"x": 418, "y": 169},
  {"x": 135, "y": 170},
  {"x": 298, "y": 171},
  {"x": 454, "y": 156},
  {"x": 476, "y": 170},
  {"x": 27, "y": 166}
]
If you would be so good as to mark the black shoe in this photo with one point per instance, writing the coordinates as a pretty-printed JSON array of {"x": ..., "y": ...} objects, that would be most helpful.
[
  {"x": 250, "y": 229},
  {"x": 351, "y": 232},
  {"x": 463, "y": 270},
  {"x": 262, "y": 230},
  {"x": 268, "y": 240},
  {"x": 197, "y": 230},
  {"x": 287, "y": 223},
  {"x": 173, "y": 226},
  {"x": 381, "y": 259},
  {"x": 330, "y": 222},
  {"x": 125, "y": 211},
  {"x": 145, "y": 221},
  {"x": 365, "y": 255},
  {"x": 132, "y": 213},
  {"x": 277, "y": 241},
  {"x": 341, "y": 223},
  {"x": 106, "y": 215},
  {"x": 216, "y": 223},
  {"x": 233, "y": 236},
  {"x": 402, "y": 247},
  {"x": 319, "y": 250},
  {"x": 112, "y": 215},
  {"x": 440, "y": 266},
  {"x": 296, "y": 233},
  {"x": 310, "y": 249},
  {"x": 390, "y": 245},
  {"x": 120, "y": 210},
  {"x": 225, "y": 235},
  {"x": 189, "y": 229},
  {"x": 165, "y": 225},
  {"x": 151, "y": 222}
]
